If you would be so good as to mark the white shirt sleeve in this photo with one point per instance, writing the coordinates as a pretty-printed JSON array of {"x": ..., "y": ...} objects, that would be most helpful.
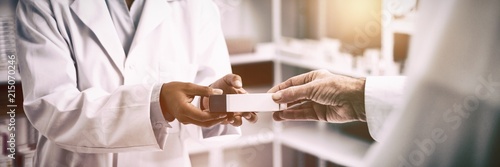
[
  {"x": 158, "y": 121},
  {"x": 382, "y": 94}
]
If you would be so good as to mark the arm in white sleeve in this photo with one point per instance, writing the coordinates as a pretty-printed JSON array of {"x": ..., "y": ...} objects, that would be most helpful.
[
  {"x": 89, "y": 120},
  {"x": 382, "y": 94}
]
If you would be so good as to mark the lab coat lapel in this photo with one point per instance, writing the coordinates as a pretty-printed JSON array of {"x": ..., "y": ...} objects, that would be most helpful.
[
  {"x": 154, "y": 13},
  {"x": 96, "y": 16}
]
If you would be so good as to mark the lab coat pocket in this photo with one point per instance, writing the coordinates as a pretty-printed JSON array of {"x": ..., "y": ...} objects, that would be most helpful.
[{"x": 177, "y": 71}]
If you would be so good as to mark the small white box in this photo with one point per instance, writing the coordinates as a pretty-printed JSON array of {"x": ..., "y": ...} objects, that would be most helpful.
[{"x": 259, "y": 102}]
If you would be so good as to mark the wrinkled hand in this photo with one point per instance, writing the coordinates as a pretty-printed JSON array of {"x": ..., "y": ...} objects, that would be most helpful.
[
  {"x": 232, "y": 84},
  {"x": 175, "y": 103},
  {"x": 333, "y": 98}
]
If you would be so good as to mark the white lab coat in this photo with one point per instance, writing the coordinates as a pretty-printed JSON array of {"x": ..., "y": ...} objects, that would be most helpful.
[
  {"x": 90, "y": 102},
  {"x": 448, "y": 112}
]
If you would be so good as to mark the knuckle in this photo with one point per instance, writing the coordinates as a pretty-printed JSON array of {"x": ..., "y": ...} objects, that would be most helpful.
[
  {"x": 179, "y": 84},
  {"x": 253, "y": 118},
  {"x": 228, "y": 76},
  {"x": 182, "y": 119},
  {"x": 236, "y": 76},
  {"x": 208, "y": 90},
  {"x": 237, "y": 123},
  {"x": 189, "y": 85},
  {"x": 323, "y": 71}
]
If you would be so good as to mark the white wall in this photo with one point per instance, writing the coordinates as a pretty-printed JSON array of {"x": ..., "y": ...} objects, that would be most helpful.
[{"x": 247, "y": 18}]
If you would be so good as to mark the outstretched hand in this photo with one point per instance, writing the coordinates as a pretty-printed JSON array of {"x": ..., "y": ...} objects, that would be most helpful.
[{"x": 333, "y": 98}]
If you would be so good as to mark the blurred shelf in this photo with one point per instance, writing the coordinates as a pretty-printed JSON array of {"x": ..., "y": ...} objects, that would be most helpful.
[
  {"x": 405, "y": 26},
  {"x": 248, "y": 58},
  {"x": 317, "y": 64},
  {"x": 293, "y": 58},
  {"x": 5, "y": 79},
  {"x": 258, "y": 89},
  {"x": 325, "y": 144},
  {"x": 264, "y": 137},
  {"x": 252, "y": 134}
]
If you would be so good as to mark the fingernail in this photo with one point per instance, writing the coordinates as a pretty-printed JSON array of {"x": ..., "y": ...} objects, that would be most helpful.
[
  {"x": 248, "y": 116},
  {"x": 238, "y": 83},
  {"x": 277, "y": 96},
  {"x": 217, "y": 91},
  {"x": 223, "y": 116}
]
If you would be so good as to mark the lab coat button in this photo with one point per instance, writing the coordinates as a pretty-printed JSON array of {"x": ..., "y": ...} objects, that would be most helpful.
[{"x": 158, "y": 125}]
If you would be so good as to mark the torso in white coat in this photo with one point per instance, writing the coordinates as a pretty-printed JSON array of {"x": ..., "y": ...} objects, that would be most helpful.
[{"x": 90, "y": 102}]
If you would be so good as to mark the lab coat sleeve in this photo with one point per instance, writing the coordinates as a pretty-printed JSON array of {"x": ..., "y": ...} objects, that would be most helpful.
[
  {"x": 158, "y": 121},
  {"x": 382, "y": 95},
  {"x": 89, "y": 121},
  {"x": 213, "y": 59},
  {"x": 450, "y": 115}
]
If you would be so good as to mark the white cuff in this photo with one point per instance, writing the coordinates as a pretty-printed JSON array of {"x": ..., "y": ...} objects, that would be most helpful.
[
  {"x": 157, "y": 117},
  {"x": 382, "y": 95},
  {"x": 158, "y": 122}
]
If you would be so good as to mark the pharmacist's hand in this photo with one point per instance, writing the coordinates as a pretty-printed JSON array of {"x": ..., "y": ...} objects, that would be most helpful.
[
  {"x": 232, "y": 84},
  {"x": 175, "y": 103},
  {"x": 332, "y": 98}
]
